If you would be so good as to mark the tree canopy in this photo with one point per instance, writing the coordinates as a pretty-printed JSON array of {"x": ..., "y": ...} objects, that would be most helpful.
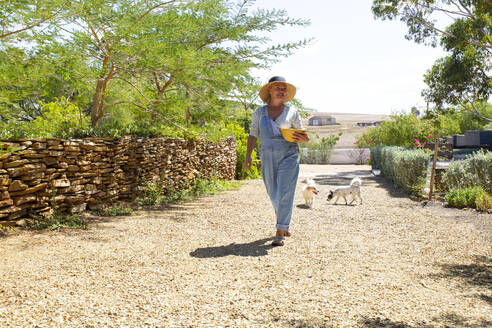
[
  {"x": 180, "y": 62},
  {"x": 464, "y": 29}
]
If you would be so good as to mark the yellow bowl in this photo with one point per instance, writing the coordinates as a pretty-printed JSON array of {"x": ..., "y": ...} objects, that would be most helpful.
[{"x": 288, "y": 134}]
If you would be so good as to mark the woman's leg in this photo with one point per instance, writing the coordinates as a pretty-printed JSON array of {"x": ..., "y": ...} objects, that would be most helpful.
[
  {"x": 287, "y": 174},
  {"x": 269, "y": 176}
]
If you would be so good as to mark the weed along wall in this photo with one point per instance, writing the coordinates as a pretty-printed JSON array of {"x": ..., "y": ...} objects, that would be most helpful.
[{"x": 40, "y": 175}]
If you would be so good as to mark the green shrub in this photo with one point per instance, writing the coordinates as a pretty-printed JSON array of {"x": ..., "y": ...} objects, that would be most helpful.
[
  {"x": 475, "y": 170},
  {"x": 152, "y": 194},
  {"x": 480, "y": 165},
  {"x": 405, "y": 168},
  {"x": 411, "y": 170},
  {"x": 318, "y": 152},
  {"x": 241, "y": 146},
  {"x": 483, "y": 202},
  {"x": 57, "y": 120},
  {"x": 376, "y": 153},
  {"x": 400, "y": 131},
  {"x": 466, "y": 197}
]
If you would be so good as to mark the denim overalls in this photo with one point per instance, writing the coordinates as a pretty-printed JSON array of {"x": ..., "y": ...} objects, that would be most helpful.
[{"x": 279, "y": 170}]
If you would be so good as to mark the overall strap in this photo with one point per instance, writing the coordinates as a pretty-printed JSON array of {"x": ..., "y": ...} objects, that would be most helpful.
[{"x": 264, "y": 111}]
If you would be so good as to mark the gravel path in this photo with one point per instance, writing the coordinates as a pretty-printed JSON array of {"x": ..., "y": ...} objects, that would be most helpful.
[{"x": 208, "y": 263}]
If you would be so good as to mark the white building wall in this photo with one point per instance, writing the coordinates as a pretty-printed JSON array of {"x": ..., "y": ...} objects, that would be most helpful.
[{"x": 350, "y": 156}]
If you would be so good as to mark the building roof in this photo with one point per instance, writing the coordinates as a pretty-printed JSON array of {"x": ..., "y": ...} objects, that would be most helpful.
[{"x": 326, "y": 115}]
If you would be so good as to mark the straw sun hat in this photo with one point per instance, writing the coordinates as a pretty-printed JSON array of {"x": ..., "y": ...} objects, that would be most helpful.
[{"x": 265, "y": 95}]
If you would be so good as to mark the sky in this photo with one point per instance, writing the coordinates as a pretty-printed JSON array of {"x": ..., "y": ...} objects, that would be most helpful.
[{"x": 356, "y": 64}]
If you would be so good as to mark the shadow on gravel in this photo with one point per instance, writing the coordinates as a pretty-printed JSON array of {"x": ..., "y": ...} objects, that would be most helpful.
[
  {"x": 341, "y": 178},
  {"x": 445, "y": 320},
  {"x": 486, "y": 298},
  {"x": 306, "y": 324},
  {"x": 478, "y": 273},
  {"x": 377, "y": 322},
  {"x": 255, "y": 248},
  {"x": 368, "y": 179}
]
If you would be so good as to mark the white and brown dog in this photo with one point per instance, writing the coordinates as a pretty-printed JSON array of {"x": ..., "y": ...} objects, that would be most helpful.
[
  {"x": 353, "y": 190},
  {"x": 308, "y": 191}
]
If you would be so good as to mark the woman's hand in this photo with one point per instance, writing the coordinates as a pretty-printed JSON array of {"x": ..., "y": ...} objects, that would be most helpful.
[
  {"x": 300, "y": 137},
  {"x": 247, "y": 163}
]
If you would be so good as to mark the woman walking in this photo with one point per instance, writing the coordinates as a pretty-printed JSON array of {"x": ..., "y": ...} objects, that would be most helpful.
[{"x": 279, "y": 157}]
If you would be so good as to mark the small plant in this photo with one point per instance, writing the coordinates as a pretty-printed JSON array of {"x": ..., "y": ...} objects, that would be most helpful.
[
  {"x": 55, "y": 221},
  {"x": 115, "y": 211},
  {"x": 155, "y": 194},
  {"x": 202, "y": 187},
  {"x": 318, "y": 152},
  {"x": 359, "y": 155},
  {"x": 464, "y": 198},
  {"x": 152, "y": 194},
  {"x": 483, "y": 202},
  {"x": 365, "y": 141},
  {"x": 6, "y": 229}
]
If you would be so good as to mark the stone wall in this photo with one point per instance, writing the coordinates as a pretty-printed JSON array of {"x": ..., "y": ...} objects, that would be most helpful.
[{"x": 71, "y": 175}]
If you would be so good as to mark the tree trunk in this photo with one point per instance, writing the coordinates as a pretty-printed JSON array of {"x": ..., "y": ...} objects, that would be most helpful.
[
  {"x": 188, "y": 116},
  {"x": 96, "y": 103},
  {"x": 433, "y": 169}
]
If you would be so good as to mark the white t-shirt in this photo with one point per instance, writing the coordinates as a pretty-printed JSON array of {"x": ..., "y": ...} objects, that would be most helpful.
[{"x": 289, "y": 119}]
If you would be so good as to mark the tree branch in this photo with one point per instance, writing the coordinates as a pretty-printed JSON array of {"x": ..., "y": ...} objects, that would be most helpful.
[
  {"x": 478, "y": 44},
  {"x": 157, "y": 84},
  {"x": 167, "y": 84},
  {"x": 467, "y": 9},
  {"x": 474, "y": 110},
  {"x": 154, "y": 112},
  {"x": 114, "y": 104},
  {"x": 2, "y": 36},
  {"x": 451, "y": 12},
  {"x": 155, "y": 7},
  {"x": 134, "y": 87},
  {"x": 145, "y": 108},
  {"x": 99, "y": 43}
]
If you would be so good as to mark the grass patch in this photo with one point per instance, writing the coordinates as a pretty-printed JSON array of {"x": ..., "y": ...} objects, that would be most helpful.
[
  {"x": 114, "y": 211},
  {"x": 55, "y": 221},
  {"x": 154, "y": 194}
]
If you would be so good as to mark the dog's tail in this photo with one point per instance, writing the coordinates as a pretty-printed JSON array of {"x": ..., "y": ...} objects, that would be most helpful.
[{"x": 356, "y": 181}]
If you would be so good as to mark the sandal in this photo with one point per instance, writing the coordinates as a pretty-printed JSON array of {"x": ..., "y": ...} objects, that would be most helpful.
[{"x": 278, "y": 240}]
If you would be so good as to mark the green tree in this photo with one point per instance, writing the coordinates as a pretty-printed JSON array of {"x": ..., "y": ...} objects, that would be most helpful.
[
  {"x": 171, "y": 57},
  {"x": 407, "y": 130},
  {"x": 171, "y": 62},
  {"x": 43, "y": 75},
  {"x": 463, "y": 77}
]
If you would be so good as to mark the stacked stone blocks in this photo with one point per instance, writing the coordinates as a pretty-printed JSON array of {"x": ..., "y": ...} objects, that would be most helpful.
[{"x": 38, "y": 176}]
